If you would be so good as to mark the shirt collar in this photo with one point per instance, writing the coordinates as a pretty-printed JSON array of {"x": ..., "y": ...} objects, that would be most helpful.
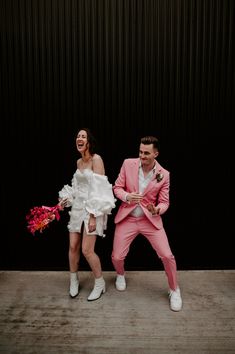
[{"x": 153, "y": 169}]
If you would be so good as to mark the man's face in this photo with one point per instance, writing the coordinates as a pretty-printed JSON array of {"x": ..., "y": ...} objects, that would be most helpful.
[{"x": 147, "y": 154}]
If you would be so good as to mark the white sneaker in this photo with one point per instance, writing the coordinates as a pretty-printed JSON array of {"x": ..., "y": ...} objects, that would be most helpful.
[
  {"x": 120, "y": 283},
  {"x": 175, "y": 300}
]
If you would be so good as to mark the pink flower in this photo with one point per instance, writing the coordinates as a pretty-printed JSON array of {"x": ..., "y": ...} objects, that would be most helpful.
[{"x": 39, "y": 218}]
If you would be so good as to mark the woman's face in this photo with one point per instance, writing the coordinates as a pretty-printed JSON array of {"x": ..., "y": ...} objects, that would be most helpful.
[{"x": 82, "y": 142}]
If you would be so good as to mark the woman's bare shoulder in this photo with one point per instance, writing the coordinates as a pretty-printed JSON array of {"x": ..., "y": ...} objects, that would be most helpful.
[
  {"x": 98, "y": 165},
  {"x": 79, "y": 162},
  {"x": 97, "y": 157}
]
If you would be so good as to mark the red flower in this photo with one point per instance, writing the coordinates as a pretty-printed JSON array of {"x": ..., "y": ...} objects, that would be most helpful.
[{"x": 39, "y": 218}]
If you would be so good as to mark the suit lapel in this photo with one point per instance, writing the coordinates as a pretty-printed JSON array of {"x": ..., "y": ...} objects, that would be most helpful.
[
  {"x": 152, "y": 182},
  {"x": 135, "y": 174}
]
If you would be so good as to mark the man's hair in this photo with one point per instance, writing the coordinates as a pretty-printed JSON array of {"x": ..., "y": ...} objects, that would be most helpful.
[{"x": 147, "y": 140}]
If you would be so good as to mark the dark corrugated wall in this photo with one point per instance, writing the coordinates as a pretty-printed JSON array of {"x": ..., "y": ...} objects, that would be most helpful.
[{"x": 125, "y": 69}]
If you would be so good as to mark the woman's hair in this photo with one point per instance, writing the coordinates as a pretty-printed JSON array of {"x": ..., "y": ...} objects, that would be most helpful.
[
  {"x": 147, "y": 140},
  {"x": 91, "y": 140}
]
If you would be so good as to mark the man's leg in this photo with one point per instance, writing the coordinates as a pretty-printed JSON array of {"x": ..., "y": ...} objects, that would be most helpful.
[
  {"x": 125, "y": 233},
  {"x": 158, "y": 240}
]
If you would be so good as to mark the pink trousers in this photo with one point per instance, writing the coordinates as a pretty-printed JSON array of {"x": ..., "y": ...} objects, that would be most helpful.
[{"x": 125, "y": 233}]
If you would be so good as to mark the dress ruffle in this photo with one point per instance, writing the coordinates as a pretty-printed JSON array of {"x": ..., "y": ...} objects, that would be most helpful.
[
  {"x": 67, "y": 193},
  {"x": 90, "y": 193},
  {"x": 100, "y": 199}
]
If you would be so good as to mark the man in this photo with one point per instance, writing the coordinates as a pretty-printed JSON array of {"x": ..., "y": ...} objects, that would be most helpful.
[{"x": 143, "y": 187}]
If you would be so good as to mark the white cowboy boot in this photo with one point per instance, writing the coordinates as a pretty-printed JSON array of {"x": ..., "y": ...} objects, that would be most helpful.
[
  {"x": 98, "y": 290},
  {"x": 74, "y": 285}
]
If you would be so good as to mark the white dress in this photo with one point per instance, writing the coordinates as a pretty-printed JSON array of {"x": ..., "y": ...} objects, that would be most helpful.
[{"x": 89, "y": 193}]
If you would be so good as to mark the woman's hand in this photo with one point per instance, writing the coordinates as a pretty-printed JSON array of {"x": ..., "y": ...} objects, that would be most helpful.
[
  {"x": 62, "y": 203},
  {"x": 92, "y": 223}
]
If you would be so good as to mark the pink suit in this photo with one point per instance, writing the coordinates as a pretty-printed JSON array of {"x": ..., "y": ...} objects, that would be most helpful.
[{"x": 150, "y": 226}]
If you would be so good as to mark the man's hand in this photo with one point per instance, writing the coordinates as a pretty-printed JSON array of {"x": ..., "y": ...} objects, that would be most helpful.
[
  {"x": 153, "y": 210},
  {"x": 134, "y": 197}
]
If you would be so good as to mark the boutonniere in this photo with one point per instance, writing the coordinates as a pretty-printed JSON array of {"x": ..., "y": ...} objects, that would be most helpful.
[{"x": 159, "y": 177}]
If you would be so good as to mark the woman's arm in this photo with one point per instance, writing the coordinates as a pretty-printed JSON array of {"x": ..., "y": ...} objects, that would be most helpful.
[{"x": 98, "y": 165}]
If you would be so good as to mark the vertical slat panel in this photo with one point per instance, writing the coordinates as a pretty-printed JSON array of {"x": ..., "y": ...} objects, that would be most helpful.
[{"x": 124, "y": 68}]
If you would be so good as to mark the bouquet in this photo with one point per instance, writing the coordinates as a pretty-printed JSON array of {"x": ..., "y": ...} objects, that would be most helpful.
[{"x": 39, "y": 218}]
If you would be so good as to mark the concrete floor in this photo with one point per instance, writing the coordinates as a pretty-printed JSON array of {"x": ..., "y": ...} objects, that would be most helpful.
[{"x": 38, "y": 317}]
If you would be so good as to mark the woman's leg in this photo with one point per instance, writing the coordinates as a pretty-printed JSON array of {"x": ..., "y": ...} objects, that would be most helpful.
[
  {"x": 88, "y": 250},
  {"x": 74, "y": 251},
  {"x": 74, "y": 257}
]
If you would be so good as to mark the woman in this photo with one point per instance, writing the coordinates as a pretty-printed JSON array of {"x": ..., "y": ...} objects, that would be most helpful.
[{"x": 91, "y": 199}]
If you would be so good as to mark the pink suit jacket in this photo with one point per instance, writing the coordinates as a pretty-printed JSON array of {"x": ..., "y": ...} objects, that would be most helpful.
[{"x": 156, "y": 192}]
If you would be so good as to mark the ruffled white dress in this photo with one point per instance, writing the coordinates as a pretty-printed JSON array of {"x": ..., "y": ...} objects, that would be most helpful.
[{"x": 89, "y": 193}]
